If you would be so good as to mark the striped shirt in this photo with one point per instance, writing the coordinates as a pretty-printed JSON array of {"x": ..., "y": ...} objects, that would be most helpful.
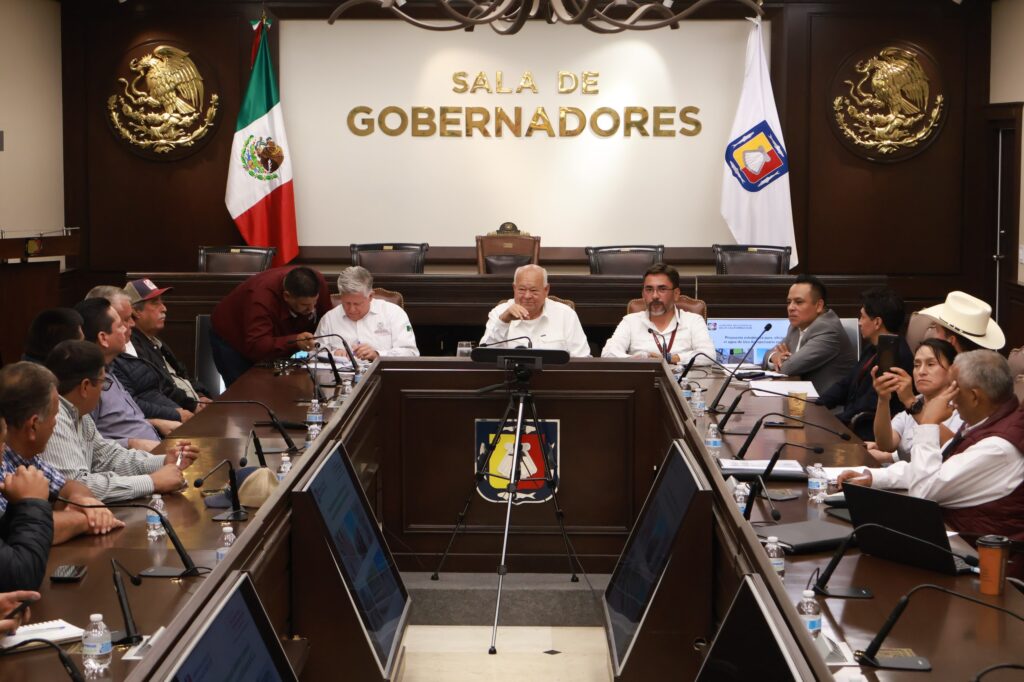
[
  {"x": 111, "y": 471},
  {"x": 12, "y": 460}
]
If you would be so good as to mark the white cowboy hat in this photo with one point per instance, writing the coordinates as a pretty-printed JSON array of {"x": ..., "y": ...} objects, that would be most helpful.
[{"x": 969, "y": 317}]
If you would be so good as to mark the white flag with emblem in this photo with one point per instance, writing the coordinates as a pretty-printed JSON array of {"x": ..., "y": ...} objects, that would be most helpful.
[{"x": 755, "y": 181}]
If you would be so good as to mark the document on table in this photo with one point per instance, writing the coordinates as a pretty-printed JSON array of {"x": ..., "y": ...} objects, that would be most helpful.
[
  {"x": 759, "y": 388},
  {"x": 55, "y": 631},
  {"x": 758, "y": 466}
]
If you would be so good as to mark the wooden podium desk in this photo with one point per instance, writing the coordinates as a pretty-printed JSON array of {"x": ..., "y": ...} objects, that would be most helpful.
[{"x": 958, "y": 637}]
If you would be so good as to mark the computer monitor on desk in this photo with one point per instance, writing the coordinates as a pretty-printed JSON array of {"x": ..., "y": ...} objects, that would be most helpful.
[
  {"x": 236, "y": 641},
  {"x": 732, "y": 337}
]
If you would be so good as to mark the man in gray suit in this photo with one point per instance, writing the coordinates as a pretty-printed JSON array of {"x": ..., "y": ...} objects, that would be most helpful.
[{"x": 816, "y": 348}]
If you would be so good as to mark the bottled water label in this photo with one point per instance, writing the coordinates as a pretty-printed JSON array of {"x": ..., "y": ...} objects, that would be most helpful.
[
  {"x": 97, "y": 647},
  {"x": 778, "y": 564},
  {"x": 221, "y": 553},
  {"x": 315, "y": 417},
  {"x": 813, "y": 623},
  {"x": 816, "y": 484},
  {"x": 152, "y": 518},
  {"x": 713, "y": 443}
]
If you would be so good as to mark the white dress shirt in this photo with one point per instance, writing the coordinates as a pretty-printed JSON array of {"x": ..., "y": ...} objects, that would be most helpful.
[
  {"x": 557, "y": 327},
  {"x": 385, "y": 326},
  {"x": 989, "y": 470},
  {"x": 632, "y": 338},
  {"x": 904, "y": 424}
]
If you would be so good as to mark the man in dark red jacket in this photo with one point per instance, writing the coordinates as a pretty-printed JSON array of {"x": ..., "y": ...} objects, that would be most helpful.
[{"x": 270, "y": 315}]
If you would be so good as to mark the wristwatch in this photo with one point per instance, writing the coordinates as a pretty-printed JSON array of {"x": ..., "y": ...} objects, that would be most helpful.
[{"x": 916, "y": 407}]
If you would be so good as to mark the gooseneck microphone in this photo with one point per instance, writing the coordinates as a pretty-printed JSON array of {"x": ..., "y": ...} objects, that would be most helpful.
[
  {"x": 713, "y": 407},
  {"x": 529, "y": 342},
  {"x": 274, "y": 421},
  {"x": 757, "y": 427},
  {"x": 759, "y": 485},
  {"x": 868, "y": 656},
  {"x": 131, "y": 632},
  {"x": 236, "y": 513},
  {"x": 69, "y": 666},
  {"x": 190, "y": 569},
  {"x": 689, "y": 364},
  {"x": 736, "y": 401},
  {"x": 821, "y": 585}
]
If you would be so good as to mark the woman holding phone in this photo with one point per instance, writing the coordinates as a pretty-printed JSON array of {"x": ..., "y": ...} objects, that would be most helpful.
[{"x": 894, "y": 435}]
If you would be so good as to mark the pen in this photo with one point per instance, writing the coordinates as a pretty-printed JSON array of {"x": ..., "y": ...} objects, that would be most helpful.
[{"x": 181, "y": 449}]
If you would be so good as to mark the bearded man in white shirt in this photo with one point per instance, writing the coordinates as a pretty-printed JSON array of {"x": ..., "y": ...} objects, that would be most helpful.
[
  {"x": 372, "y": 327},
  {"x": 663, "y": 331},
  {"x": 530, "y": 313}
]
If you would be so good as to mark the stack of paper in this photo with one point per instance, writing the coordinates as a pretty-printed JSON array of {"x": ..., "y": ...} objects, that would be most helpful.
[{"x": 56, "y": 631}]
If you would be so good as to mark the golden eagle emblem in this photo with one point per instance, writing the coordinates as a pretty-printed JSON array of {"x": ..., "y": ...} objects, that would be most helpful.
[
  {"x": 889, "y": 109},
  {"x": 167, "y": 114}
]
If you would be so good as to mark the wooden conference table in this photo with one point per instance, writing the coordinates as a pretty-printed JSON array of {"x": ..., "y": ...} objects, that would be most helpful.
[{"x": 408, "y": 430}]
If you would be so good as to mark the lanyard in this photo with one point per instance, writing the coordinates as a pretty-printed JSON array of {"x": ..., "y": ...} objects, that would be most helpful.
[{"x": 666, "y": 351}]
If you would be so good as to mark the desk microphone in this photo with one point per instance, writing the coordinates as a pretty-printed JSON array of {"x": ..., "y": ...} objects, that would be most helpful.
[
  {"x": 868, "y": 656},
  {"x": 757, "y": 427},
  {"x": 529, "y": 342},
  {"x": 821, "y": 586},
  {"x": 69, "y": 666},
  {"x": 131, "y": 633},
  {"x": 190, "y": 569},
  {"x": 759, "y": 485},
  {"x": 713, "y": 407},
  {"x": 736, "y": 401},
  {"x": 236, "y": 513},
  {"x": 334, "y": 365},
  {"x": 274, "y": 421}
]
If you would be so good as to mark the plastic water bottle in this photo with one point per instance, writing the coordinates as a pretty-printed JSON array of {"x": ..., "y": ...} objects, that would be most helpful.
[
  {"x": 776, "y": 556},
  {"x": 286, "y": 466},
  {"x": 687, "y": 389},
  {"x": 740, "y": 494},
  {"x": 697, "y": 403},
  {"x": 314, "y": 413},
  {"x": 96, "y": 646},
  {"x": 346, "y": 386},
  {"x": 713, "y": 440},
  {"x": 312, "y": 433},
  {"x": 154, "y": 528},
  {"x": 810, "y": 613},
  {"x": 817, "y": 483},
  {"x": 228, "y": 539}
]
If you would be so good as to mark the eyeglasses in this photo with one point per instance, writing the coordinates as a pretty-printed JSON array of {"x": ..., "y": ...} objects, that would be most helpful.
[
  {"x": 108, "y": 381},
  {"x": 658, "y": 290}
]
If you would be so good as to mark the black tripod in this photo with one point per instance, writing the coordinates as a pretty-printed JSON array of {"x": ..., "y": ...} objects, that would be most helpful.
[{"x": 519, "y": 365}]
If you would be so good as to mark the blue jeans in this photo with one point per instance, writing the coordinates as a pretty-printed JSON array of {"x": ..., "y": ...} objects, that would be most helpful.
[{"x": 230, "y": 363}]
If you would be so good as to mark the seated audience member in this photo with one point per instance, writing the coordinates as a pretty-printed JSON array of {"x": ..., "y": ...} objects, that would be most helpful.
[
  {"x": 154, "y": 393},
  {"x": 881, "y": 312},
  {"x": 49, "y": 328},
  {"x": 26, "y": 527},
  {"x": 978, "y": 477},
  {"x": 679, "y": 335},
  {"x": 117, "y": 417},
  {"x": 894, "y": 436},
  {"x": 10, "y": 601},
  {"x": 150, "y": 313},
  {"x": 816, "y": 347},
  {"x": 29, "y": 402},
  {"x": 966, "y": 322},
  {"x": 371, "y": 327},
  {"x": 530, "y": 313},
  {"x": 112, "y": 472},
  {"x": 270, "y": 315}
]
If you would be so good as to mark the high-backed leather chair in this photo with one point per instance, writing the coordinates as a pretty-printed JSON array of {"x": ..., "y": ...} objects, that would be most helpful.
[
  {"x": 623, "y": 260},
  {"x": 684, "y": 302},
  {"x": 751, "y": 259},
  {"x": 502, "y": 254},
  {"x": 383, "y": 294},
  {"x": 206, "y": 369},
  {"x": 390, "y": 258},
  {"x": 235, "y": 258}
]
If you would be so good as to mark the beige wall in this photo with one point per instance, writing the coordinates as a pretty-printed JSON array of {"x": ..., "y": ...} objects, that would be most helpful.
[
  {"x": 32, "y": 163},
  {"x": 1007, "y": 80}
]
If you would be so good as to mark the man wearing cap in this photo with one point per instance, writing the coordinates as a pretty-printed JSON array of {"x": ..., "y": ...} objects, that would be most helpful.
[
  {"x": 962, "y": 320},
  {"x": 150, "y": 314},
  {"x": 270, "y": 315}
]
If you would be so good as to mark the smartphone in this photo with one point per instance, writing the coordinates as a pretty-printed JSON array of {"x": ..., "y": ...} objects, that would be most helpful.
[
  {"x": 887, "y": 352},
  {"x": 68, "y": 573}
]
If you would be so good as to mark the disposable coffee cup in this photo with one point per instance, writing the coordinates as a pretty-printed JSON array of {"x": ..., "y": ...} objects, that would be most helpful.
[{"x": 993, "y": 551}]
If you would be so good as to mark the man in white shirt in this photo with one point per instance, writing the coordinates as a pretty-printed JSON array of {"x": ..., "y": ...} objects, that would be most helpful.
[
  {"x": 662, "y": 331},
  {"x": 978, "y": 477},
  {"x": 371, "y": 327},
  {"x": 530, "y": 313}
]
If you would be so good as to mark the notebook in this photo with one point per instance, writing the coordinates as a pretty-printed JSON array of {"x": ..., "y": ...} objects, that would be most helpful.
[
  {"x": 56, "y": 631},
  {"x": 806, "y": 537}
]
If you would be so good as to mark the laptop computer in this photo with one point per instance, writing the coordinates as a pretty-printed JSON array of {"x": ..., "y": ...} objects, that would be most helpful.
[{"x": 914, "y": 516}]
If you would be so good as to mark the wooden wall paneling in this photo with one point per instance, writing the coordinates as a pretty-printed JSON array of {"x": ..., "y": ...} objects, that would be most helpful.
[
  {"x": 1004, "y": 127},
  {"x": 1013, "y": 315},
  {"x": 25, "y": 289}
]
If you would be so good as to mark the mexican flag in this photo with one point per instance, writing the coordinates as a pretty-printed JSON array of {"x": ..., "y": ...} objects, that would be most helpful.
[{"x": 260, "y": 195}]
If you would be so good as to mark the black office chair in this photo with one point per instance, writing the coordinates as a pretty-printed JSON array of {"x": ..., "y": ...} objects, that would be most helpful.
[
  {"x": 751, "y": 259},
  {"x": 624, "y": 260},
  {"x": 206, "y": 369},
  {"x": 235, "y": 258},
  {"x": 390, "y": 258}
]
